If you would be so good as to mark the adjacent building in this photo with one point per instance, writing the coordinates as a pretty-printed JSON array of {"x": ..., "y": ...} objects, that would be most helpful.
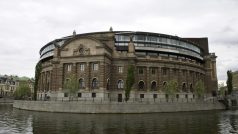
[
  {"x": 100, "y": 62},
  {"x": 8, "y": 85}
]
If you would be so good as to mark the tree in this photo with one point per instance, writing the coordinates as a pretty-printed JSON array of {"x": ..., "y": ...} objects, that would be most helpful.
[
  {"x": 130, "y": 79},
  {"x": 229, "y": 81},
  {"x": 71, "y": 85},
  {"x": 38, "y": 69},
  {"x": 23, "y": 91},
  {"x": 171, "y": 88},
  {"x": 222, "y": 89},
  {"x": 199, "y": 88}
]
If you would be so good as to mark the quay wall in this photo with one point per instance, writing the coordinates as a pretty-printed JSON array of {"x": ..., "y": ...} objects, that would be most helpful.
[{"x": 115, "y": 107}]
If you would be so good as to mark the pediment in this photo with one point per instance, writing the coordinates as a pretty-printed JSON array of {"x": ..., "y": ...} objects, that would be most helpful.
[{"x": 82, "y": 46}]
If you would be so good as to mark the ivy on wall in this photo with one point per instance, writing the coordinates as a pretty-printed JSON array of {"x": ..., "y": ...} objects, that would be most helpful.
[
  {"x": 38, "y": 69},
  {"x": 130, "y": 79}
]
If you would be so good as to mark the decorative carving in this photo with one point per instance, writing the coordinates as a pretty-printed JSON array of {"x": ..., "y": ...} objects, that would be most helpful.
[{"x": 81, "y": 50}]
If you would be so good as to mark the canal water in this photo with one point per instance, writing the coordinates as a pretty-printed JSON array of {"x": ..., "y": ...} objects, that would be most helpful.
[{"x": 26, "y": 122}]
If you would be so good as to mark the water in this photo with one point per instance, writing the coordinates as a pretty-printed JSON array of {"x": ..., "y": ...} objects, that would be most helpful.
[{"x": 209, "y": 122}]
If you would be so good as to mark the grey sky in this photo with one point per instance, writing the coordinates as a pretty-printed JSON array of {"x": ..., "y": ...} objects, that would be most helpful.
[{"x": 27, "y": 25}]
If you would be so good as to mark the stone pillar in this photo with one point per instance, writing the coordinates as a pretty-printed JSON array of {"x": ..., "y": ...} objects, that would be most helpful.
[
  {"x": 101, "y": 77},
  {"x": 160, "y": 82},
  {"x": 88, "y": 76},
  {"x": 147, "y": 78}
]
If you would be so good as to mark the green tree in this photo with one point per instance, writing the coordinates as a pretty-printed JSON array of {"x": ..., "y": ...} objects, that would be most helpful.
[
  {"x": 222, "y": 89},
  {"x": 199, "y": 88},
  {"x": 71, "y": 85},
  {"x": 130, "y": 79},
  {"x": 38, "y": 69},
  {"x": 171, "y": 87},
  {"x": 229, "y": 81},
  {"x": 23, "y": 91}
]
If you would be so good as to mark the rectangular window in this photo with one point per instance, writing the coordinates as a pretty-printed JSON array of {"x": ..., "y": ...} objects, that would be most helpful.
[
  {"x": 66, "y": 95},
  {"x": 140, "y": 70},
  {"x": 69, "y": 67},
  {"x": 81, "y": 67},
  {"x": 154, "y": 96},
  {"x": 94, "y": 95},
  {"x": 153, "y": 70},
  {"x": 141, "y": 95},
  {"x": 184, "y": 72},
  {"x": 175, "y": 72},
  {"x": 164, "y": 71},
  {"x": 79, "y": 95},
  {"x": 120, "y": 69},
  {"x": 95, "y": 66}
]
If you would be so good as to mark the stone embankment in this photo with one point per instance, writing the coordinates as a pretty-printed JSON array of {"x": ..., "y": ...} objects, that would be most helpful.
[{"x": 116, "y": 107}]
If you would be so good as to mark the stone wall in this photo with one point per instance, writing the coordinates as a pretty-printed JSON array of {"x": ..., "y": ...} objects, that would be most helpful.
[{"x": 115, "y": 107}]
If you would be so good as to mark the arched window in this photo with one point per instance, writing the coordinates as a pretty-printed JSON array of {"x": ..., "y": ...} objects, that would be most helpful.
[
  {"x": 81, "y": 83},
  {"x": 94, "y": 83},
  {"x": 153, "y": 86},
  {"x": 164, "y": 85},
  {"x": 184, "y": 89},
  {"x": 191, "y": 88},
  {"x": 120, "y": 84},
  {"x": 141, "y": 85},
  {"x": 108, "y": 84}
]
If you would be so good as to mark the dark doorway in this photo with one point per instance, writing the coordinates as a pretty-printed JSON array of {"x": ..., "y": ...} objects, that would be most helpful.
[{"x": 119, "y": 97}]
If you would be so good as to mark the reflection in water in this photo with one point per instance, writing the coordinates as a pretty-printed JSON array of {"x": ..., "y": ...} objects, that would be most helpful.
[{"x": 211, "y": 122}]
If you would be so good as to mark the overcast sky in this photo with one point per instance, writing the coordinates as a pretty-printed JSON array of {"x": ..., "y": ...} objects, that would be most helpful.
[{"x": 27, "y": 25}]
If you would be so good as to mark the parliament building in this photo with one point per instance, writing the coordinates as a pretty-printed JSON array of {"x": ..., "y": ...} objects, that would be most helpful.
[{"x": 100, "y": 62}]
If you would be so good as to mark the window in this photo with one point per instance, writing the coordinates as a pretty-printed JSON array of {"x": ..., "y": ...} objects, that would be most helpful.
[
  {"x": 164, "y": 85},
  {"x": 94, "y": 95},
  {"x": 95, "y": 66},
  {"x": 155, "y": 96},
  {"x": 175, "y": 72},
  {"x": 120, "y": 84},
  {"x": 140, "y": 70},
  {"x": 81, "y": 83},
  {"x": 141, "y": 85},
  {"x": 153, "y": 70},
  {"x": 153, "y": 86},
  {"x": 81, "y": 67},
  {"x": 191, "y": 88},
  {"x": 66, "y": 95},
  {"x": 142, "y": 96},
  {"x": 94, "y": 83},
  {"x": 69, "y": 67},
  {"x": 67, "y": 80},
  {"x": 184, "y": 72},
  {"x": 184, "y": 89},
  {"x": 177, "y": 96},
  {"x": 166, "y": 96},
  {"x": 120, "y": 69},
  {"x": 164, "y": 70},
  {"x": 79, "y": 95},
  {"x": 108, "y": 84}
]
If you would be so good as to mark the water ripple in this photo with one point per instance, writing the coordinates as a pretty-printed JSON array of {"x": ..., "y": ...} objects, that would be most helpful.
[{"x": 15, "y": 121}]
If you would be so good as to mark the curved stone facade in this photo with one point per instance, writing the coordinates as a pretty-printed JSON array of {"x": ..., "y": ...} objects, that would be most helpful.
[{"x": 100, "y": 62}]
